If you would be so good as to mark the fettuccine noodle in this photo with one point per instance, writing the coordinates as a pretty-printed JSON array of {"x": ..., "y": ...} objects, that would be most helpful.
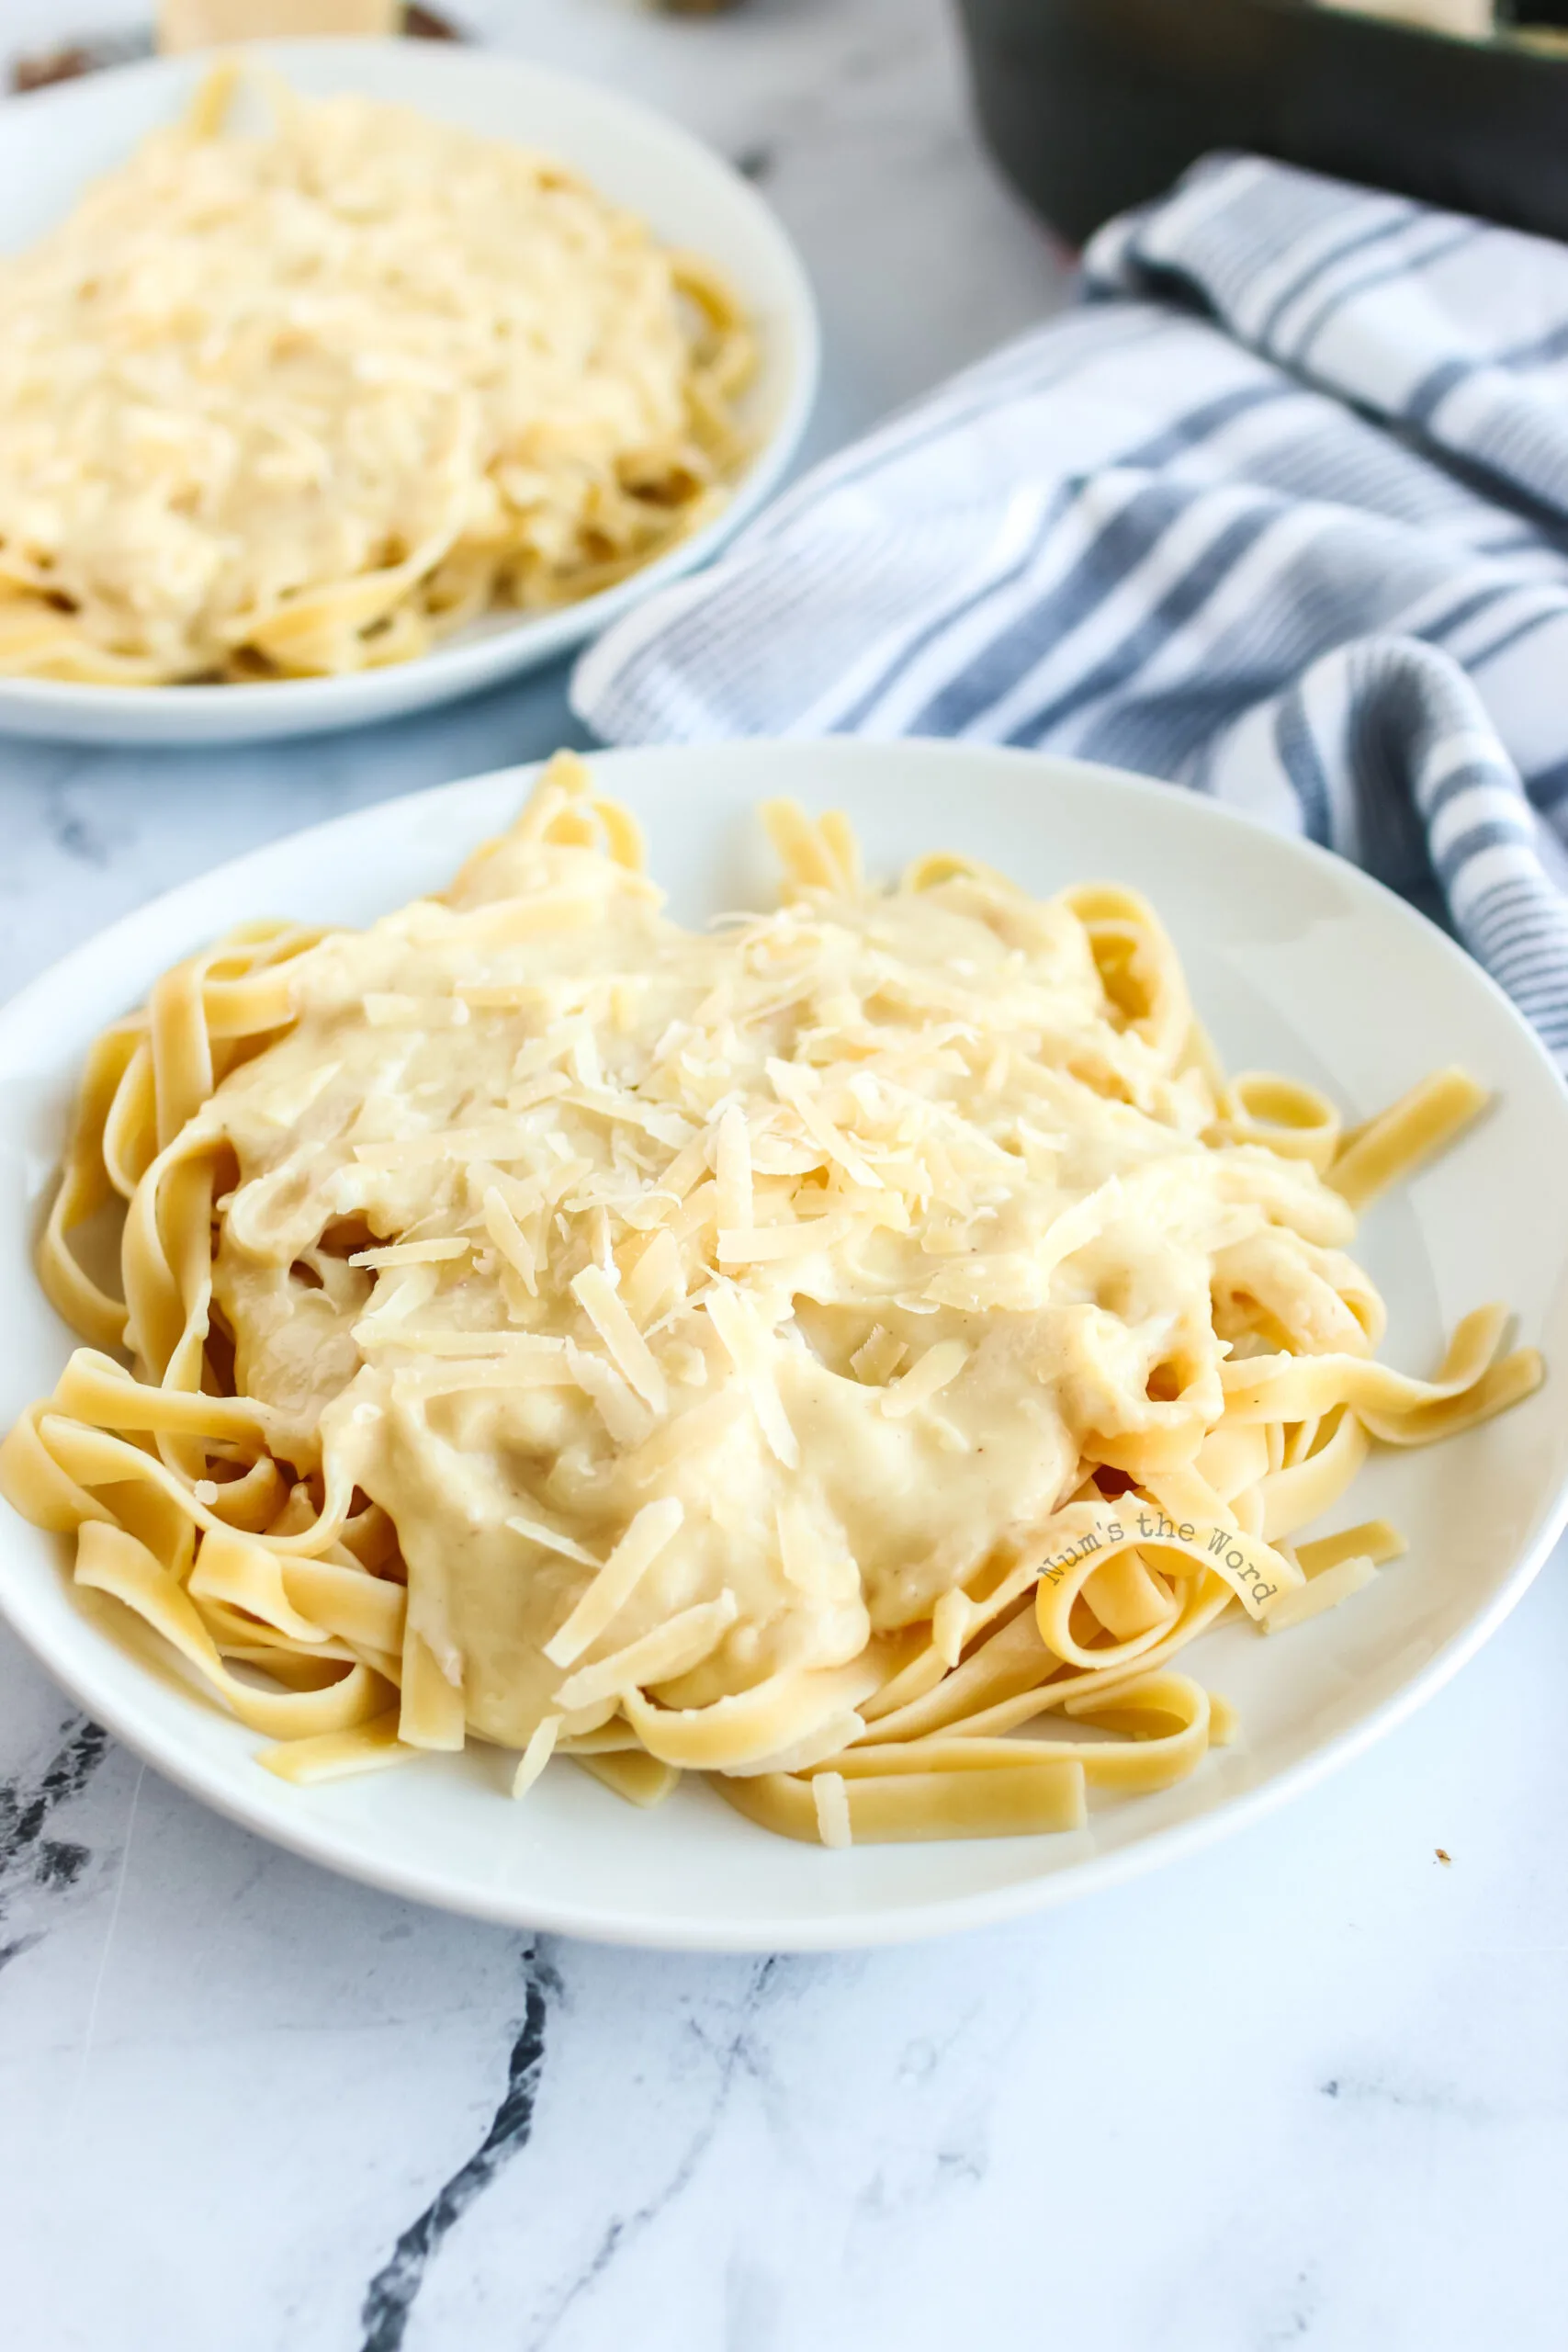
[
  {"x": 850, "y": 1352},
  {"x": 304, "y": 399}
]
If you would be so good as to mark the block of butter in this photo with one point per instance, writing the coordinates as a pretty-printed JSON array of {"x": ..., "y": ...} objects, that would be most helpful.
[{"x": 200, "y": 24}]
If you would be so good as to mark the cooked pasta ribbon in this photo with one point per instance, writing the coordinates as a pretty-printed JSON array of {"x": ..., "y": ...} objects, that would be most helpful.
[{"x": 852, "y": 1353}]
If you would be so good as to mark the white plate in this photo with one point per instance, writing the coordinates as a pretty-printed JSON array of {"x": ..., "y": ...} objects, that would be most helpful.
[
  {"x": 1296, "y": 961},
  {"x": 53, "y": 142}
]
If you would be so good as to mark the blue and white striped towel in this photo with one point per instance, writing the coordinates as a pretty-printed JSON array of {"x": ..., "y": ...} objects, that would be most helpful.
[{"x": 1279, "y": 512}]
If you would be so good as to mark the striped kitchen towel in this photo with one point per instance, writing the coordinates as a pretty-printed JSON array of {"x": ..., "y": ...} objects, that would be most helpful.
[{"x": 1279, "y": 511}]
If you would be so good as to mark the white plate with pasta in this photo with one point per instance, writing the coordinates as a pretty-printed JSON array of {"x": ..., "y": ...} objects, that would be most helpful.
[
  {"x": 864, "y": 1417},
  {"x": 352, "y": 376}
]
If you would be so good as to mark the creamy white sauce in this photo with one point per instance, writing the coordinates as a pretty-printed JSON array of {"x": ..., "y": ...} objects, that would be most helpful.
[{"x": 929, "y": 1091}]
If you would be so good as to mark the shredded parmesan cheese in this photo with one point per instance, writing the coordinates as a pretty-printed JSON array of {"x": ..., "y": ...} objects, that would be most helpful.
[
  {"x": 411, "y": 1253},
  {"x": 536, "y": 1755},
  {"x": 595, "y": 1294},
  {"x": 927, "y": 1377},
  {"x": 879, "y": 1359},
  {"x": 732, "y": 1168},
  {"x": 654, "y": 1527},
  {"x": 672, "y": 1649},
  {"x": 831, "y": 1800},
  {"x": 552, "y": 1539},
  {"x": 732, "y": 1318}
]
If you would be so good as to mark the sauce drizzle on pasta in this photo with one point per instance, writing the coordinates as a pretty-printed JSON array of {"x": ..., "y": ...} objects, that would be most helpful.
[{"x": 812, "y": 1353}]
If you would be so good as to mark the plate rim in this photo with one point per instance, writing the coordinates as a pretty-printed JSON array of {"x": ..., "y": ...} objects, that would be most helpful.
[
  {"x": 895, "y": 1924},
  {"x": 193, "y": 717}
]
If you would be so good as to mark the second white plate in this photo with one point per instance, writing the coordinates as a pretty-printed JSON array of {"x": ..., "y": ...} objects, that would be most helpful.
[
  {"x": 53, "y": 142},
  {"x": 1297, "y": 963}
]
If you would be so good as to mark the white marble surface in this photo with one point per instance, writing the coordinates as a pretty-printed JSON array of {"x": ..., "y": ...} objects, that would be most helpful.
[{"x": 1311, "y": 2087}]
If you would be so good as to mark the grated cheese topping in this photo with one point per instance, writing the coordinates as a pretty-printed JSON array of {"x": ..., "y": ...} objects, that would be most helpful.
[{"x": 705, "y": 1307}]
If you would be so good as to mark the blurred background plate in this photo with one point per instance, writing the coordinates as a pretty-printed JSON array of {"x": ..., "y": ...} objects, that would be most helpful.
[{"x": 53, "y": 141}]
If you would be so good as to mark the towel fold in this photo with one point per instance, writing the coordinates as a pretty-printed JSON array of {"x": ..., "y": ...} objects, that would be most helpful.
[{"x": 1278, "y": 512}]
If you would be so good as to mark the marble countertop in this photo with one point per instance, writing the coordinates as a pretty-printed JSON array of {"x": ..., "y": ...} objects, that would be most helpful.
[{"x": 1311, "y": 2087}]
